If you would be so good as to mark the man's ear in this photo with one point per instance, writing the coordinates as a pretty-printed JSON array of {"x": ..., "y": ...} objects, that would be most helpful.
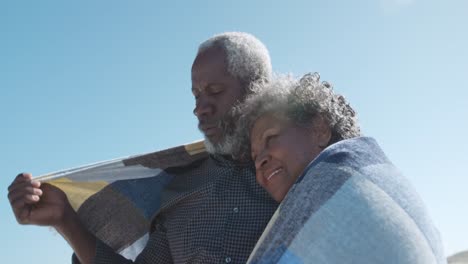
[{"x": 321, "y": 131}]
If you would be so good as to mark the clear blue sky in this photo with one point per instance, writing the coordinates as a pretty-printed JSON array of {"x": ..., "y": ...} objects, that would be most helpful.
[{"x": 84, "y": 81}]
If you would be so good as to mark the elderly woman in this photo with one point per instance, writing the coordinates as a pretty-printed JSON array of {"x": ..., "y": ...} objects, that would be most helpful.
[{"x": 342, "y": 201}]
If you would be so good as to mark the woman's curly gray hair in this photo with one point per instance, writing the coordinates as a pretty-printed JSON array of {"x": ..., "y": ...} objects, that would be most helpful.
[
  {"x": 247, "y": 58},
  {"x": 300, "y": 101}
]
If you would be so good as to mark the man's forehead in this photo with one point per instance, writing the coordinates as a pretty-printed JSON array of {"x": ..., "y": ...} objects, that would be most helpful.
[
  {"x": 208, "y": 70},
  {"x": 214, "y": 56}
]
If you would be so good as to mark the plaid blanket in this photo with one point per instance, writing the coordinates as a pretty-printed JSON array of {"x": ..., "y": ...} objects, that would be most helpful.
[
  {"x": 121, "y": 196},
  {"x": 351, "y": 205}
]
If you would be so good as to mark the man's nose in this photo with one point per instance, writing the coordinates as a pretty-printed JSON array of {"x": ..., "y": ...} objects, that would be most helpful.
[{"x": 203, "y": 107}]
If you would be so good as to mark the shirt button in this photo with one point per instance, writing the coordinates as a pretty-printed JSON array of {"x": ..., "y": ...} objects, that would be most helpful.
[
  {"x": 228, "y": 260},
  {"x": 236, "y": 210}
]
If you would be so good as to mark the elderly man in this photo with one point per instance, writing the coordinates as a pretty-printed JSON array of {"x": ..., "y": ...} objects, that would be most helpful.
[{"x": 213, "y": 211}]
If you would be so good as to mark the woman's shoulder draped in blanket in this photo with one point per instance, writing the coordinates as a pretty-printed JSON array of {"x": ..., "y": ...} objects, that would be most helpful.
[
  {"x": 351, "y": 205},
  {"x": 124, "y": 193}
]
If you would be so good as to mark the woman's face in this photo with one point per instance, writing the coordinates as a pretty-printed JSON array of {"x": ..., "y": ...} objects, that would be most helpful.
[{"x": 281, "y": 151}]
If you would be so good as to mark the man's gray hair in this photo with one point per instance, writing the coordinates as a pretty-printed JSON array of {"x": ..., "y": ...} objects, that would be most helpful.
[
  {"x": 247, "y": 58},
  {"x": 300, "y": 101}
]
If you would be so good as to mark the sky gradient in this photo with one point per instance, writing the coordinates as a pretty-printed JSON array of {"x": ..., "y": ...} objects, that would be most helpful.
[{"x": 86, "y": 81}]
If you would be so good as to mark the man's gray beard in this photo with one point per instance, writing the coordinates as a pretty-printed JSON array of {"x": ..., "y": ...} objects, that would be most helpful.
[{"x": 226, "y": 145}]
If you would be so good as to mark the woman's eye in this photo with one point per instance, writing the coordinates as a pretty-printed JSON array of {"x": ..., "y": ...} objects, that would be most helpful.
[{"x": 269, "y": 139}]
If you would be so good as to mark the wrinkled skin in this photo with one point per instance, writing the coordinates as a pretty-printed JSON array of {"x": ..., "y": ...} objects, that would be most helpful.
[
  {"x": 215, "y": 92},
  {"x": 282, "y": 150}
]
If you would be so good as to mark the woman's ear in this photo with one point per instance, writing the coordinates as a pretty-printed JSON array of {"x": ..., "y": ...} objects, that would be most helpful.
[{"x": 321, "y": 132}]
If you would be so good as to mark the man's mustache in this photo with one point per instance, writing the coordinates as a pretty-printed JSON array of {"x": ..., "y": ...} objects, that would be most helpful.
[
  {"x": 225, "y": 123},
  {"x": 202, "y": 124}
]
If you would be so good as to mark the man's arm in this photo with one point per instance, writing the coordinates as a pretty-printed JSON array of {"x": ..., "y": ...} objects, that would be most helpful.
[
  {"x": 36, "y": 203},
  {"x": 43, "y": 204}
]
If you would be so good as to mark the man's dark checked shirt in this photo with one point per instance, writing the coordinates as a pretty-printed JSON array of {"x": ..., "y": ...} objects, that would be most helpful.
[{"x": 211, "y": 213}]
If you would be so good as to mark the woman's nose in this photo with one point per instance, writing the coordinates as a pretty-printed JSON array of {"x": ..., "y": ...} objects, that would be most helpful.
[{"x": 260, "y": 161}]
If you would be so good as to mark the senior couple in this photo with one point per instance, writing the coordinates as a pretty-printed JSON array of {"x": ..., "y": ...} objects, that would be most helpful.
[{"x": 289, "y": 179}]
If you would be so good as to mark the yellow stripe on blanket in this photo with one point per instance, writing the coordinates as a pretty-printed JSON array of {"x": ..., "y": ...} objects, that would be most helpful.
[
  {"x": 195, "y": 148},
  {"x": 78, "y": 192}
]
